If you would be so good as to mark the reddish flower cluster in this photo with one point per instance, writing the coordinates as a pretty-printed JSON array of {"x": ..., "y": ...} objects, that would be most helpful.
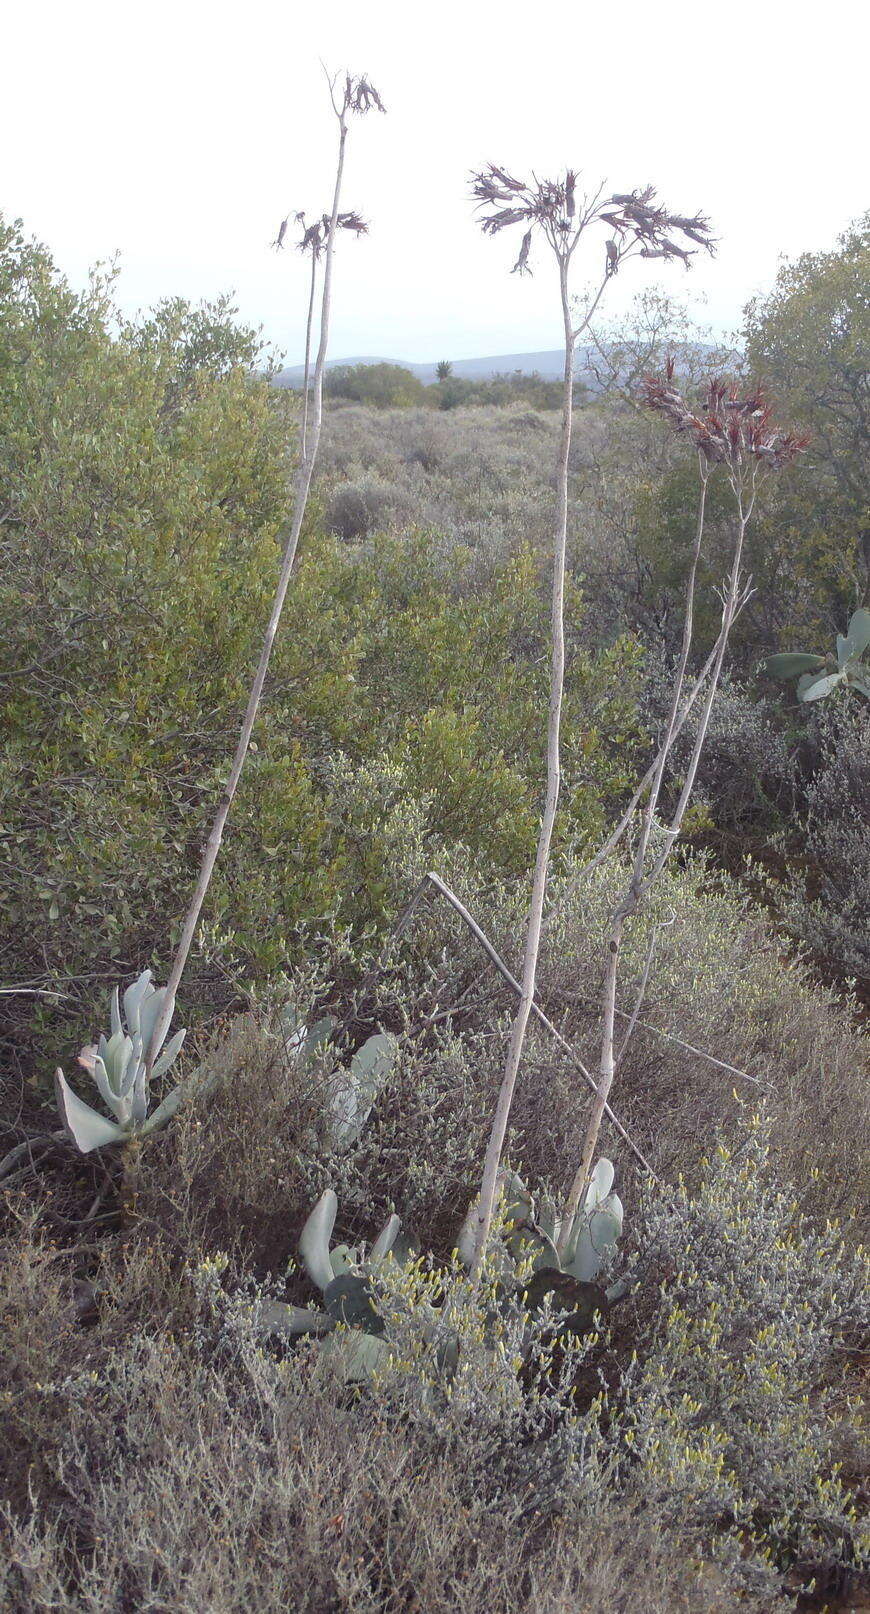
[{"x": 727, "y": 429}]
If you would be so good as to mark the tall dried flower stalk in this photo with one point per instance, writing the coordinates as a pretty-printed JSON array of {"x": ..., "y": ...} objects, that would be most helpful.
[
  {"x": 740, "y": 435},
  {"x": 557, "y": 211},
  {"x": 348, "y": 96}
]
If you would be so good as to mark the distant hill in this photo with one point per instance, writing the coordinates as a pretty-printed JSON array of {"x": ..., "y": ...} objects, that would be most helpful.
[{"x": 547, "y": 364}]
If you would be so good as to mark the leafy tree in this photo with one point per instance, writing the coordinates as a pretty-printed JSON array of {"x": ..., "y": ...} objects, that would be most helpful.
[
  {"x": 808, "y": 341},
  {"x": 443, "y": 369}
]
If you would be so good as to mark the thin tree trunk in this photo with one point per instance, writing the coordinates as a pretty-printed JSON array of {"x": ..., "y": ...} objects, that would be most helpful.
[
  {"x": 489, "y": 1184},
  {"x": 619, "y": 829},
  {"x": 679, "y": 678},
  {"x": 307, "y": 375},
  {"x": 306, "y": 468},
  {"x": 729, "y": 612}
]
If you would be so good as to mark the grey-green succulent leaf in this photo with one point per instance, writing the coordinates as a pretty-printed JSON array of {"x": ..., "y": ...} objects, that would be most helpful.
[
  {"x": 314, "y": 1240},
  {"x": 352, "y": 1357},
  {"x": 170, "y": 1054},
  {"x": 851, "y": 668},
  {"x": 276, "y": 1317},
  {"x": 792, "y": 662},
  {"x": 599, "y": 1231},
  {"x": 343, "y": 1259},
  {"x": 858, "y": 632},
  {"x": 548, "y": 1219},
  {"x": 164, "y": 1112},
  {"x": 600, "y": 1184},
  {"x": 134, "y": 998},
  {"x": 355, "y": 1089},
  {"x": 814, "y": 689},
  {"x": 86, "y": 1127},
  {"x": 303, "y": 1042},
  {"x": 348, "y": 1300},
  {"x": 384, "y": 1243}
]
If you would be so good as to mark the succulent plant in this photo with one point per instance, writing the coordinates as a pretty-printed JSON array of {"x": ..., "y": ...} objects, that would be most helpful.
[
  {"x": 117, "y": 1064},
  {"x": 817, "y": 676},
  {"x": 352, "y": 1090},
  {"x": 532, "y": 1236},
  {"x": 343, "y": 1275}
]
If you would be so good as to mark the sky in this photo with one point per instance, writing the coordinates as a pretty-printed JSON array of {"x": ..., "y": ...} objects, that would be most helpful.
[{"x": 176, "y": 135}]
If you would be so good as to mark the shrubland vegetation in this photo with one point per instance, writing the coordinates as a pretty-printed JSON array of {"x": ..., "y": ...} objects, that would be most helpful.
[
  {"x": 659, "y": 1412},
  {"x": 392, "y": 386}
]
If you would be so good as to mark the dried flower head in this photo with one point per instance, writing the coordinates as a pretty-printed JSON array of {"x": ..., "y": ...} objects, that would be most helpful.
[
  {"x": 727, "y": 429},
  {"x": 360, "y": 95},
  {"x": 636, "y": 220},
  {"x": 315, "y": 236}
]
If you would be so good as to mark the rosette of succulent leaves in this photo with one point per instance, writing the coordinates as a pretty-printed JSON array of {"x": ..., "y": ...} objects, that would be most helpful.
[
  {"x": 533, "y": 1233},
  {"x": 118, "y": 1066},
  {"x": 819, "y": 676},
  {"x": 534, "y": 1276},
  {"x": 344, "y": 1277}
]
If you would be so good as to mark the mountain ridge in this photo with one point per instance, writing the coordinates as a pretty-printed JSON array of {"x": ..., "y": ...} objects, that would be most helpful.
[{"x": 547, "y": 363}]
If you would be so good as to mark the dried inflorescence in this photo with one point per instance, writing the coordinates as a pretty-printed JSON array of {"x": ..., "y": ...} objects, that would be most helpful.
[
  {"x": 357, "y": 95},
  {"x": 360, "y": 95},
  {"x": 727, "y": 429},
  {"x": 635, "y": 218},
  {"x": 315, "y": 236}
]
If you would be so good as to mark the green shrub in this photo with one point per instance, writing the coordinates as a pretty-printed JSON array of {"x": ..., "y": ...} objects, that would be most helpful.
[
  {"x": 823, "y": 894},
  {"x": 143, "y": 476},
  {"x": 387, "y": 386},
  {"x": 734, "y": 1407}
]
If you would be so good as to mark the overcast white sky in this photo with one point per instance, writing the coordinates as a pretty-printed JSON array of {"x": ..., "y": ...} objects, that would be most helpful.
[{"x": 177, "y": 134}]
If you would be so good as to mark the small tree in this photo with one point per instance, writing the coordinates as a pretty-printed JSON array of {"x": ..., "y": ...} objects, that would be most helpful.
[
  {"x": 443, "y": 369},
  {"x": 557, "y": 211}
]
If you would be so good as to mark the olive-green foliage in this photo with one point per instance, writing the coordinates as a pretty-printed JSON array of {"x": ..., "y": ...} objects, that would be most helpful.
[
  {"x": 823, "y": 890},
  {"x": 808, "y": 340},
  {"x": 798, "y": 585},
  {"x": 387, "y": 386},
  {"x": 453, "y": 392},
  {"x": 808, "y": 545},
  {"x": 143, "y": 480},
  {"x": 392, "y": 386},
  {"x": 142, "y": 485}
]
